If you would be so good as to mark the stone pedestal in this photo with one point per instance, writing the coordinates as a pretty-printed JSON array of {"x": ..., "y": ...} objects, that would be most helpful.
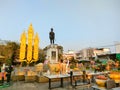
[{"x": 52, "y": 52}]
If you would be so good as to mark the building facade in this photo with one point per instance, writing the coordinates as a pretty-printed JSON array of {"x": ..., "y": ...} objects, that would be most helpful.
[
  {"x": 91, "y": 53},
  {"x": 117, "y": 47}
]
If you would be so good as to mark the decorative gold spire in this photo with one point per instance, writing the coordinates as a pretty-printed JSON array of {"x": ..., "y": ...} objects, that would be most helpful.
[
  {"x": 31, "y": 30},
  {"x": 30, "y": 43},
  {"x": 36, "y": 45},
  {"x": 22, "y": 46},
  {"x": 32, "y": 46}
]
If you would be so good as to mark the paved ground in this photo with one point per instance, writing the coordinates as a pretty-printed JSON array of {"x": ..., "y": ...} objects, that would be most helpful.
[{"x": 21, "y": 85}]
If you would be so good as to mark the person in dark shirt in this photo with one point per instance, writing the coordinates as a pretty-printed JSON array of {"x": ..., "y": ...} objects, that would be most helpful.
[{"x": 8, "y": 75}]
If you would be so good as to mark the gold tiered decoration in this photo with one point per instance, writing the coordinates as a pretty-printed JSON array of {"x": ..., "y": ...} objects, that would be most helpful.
[
  {"x": 23, "y": 46},
  {"x": 29, "y": 46},
  {"x": 30, "y": 43},
  {"x": 36, "y": 43}
]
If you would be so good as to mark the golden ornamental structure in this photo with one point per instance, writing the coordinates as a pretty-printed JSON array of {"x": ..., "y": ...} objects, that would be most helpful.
[
  {"x": 29, "y": 46},
  {"x": 22, "y": 46}
]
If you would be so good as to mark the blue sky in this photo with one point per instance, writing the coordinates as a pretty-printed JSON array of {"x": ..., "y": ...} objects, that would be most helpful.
[{"x": 77, "y": 23}]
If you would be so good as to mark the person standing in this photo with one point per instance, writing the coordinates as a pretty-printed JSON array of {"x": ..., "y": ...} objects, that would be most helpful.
[
  {"x": 9, "y": 70},
  {"x": 3, "y": 73},
  {"x": 51, "y": 36}
]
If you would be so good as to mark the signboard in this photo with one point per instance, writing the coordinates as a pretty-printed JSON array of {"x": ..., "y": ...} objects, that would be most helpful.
[{"x": 118, "y": 56}]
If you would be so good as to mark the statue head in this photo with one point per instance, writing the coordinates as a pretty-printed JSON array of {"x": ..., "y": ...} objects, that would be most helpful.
[{"x": 51, "y": 29}]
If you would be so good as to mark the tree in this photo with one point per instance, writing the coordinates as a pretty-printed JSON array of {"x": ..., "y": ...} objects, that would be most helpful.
[
  {"x": 13, "y": 50},
  {"x": 10, "y": 50},
  {"x": 41, "y": 56},
  {"x": 9, "y": 61}
]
